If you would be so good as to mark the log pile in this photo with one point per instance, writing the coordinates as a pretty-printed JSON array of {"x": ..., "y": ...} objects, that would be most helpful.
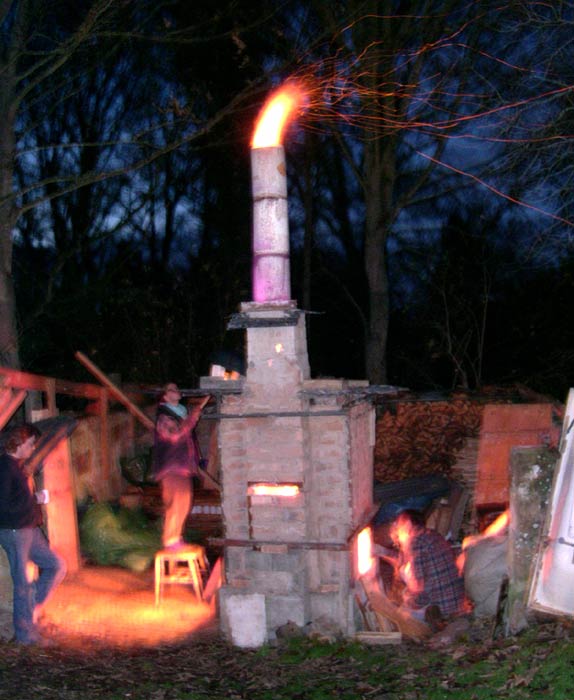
[{"x": 416, "y": 438}]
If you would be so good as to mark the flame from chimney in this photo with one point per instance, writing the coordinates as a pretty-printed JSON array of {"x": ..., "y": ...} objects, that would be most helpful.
[
  {"x": 270, "y": 273},
  {"x": 275, "y": 115}
]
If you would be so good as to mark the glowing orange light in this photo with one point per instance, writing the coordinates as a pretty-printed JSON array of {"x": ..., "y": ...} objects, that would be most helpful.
[
  {"x": 117, "y": 606},
  {"x": 284, "y": 490},
  {"x": 365, "y": 559},
  {"x": 401, "y": 533},
  {"x": 31, "y": 571},
  {"x": 274, "y": 116},
  {"x": 496, "y": 527}
]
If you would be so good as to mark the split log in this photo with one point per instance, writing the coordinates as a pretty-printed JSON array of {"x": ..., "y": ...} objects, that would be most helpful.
[{"x": 385, "y": 611}]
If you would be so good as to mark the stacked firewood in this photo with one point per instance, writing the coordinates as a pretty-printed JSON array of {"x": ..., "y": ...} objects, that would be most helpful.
[{"x": 423, "y": 437}]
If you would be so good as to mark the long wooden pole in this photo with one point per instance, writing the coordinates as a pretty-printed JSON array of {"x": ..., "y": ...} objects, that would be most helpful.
[
  {"x": 116, "y": 393},
  {"x": 132, "y": 408}
]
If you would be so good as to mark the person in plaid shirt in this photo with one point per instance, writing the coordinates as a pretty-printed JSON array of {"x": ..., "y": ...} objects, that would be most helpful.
[{"x": 427, "y": 568}]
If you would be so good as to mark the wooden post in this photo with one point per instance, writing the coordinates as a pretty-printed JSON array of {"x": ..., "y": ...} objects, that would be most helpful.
[
  {"x": 51, "y": 397},
  {"x": 62, "y": 524},
  {"x": 104, "y": 438}
]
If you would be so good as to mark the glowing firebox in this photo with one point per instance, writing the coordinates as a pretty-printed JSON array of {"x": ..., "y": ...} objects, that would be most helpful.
[
  {"x": 281, "y": 490},
  {"x": 365, "y": 559}
]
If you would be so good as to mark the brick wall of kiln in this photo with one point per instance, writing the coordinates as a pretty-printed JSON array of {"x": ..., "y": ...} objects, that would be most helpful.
[{"x": 328, "y": 451}]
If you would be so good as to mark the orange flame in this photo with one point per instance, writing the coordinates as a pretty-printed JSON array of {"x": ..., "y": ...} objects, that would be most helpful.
[
  {"x": 401, "y": 533},
  {"x": 274, "y": 116},
  {"x": 495, "y": 528}
]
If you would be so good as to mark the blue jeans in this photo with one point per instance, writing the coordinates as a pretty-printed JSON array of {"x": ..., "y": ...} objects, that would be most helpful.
[{"x": 21, "y": 546}]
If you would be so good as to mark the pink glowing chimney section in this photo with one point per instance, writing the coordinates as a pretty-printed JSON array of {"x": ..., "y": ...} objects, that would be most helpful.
[{"x": 271, "y": 270}]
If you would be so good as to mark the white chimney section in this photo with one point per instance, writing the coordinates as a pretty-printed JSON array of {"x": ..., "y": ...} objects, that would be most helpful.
[{"x": 271, "y": 272}]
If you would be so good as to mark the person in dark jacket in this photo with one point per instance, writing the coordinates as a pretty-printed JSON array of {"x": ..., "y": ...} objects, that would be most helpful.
[
  {"x": 175, "y": 461},
  {"x": 21, "y": 537}
]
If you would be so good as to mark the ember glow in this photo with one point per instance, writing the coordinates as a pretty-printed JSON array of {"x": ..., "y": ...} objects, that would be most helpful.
[
  {"x": 365, "y": 559},
  {"x": 275, "y": 115},
  {"x": 283, "y": 490},
  {"x": 117, "y": 607}
]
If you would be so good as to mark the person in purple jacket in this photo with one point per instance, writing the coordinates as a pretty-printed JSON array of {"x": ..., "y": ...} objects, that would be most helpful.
[
  {"x": 22, "y": 538},
  {"x": 175, "y": 461}
]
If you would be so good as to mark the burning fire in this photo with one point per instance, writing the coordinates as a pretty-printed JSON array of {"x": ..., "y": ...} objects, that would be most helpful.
[{"x": 274, "y": 116}]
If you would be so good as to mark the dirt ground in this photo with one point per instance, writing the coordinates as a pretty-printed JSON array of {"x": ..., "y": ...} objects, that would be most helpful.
[
  {"x": 111, "y": 641},
  {"x": 117, "y": 607}
]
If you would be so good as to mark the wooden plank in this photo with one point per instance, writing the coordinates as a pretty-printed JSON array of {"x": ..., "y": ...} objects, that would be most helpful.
[
  {"x": 215, "y": 580},
  {"x": 209, "y": 481},
  {"x": 62, "y": 523},
  {"x": 319, "y": 546},
  {"x": 379, "y": 638},
  {"x": 52, "y": 431}
]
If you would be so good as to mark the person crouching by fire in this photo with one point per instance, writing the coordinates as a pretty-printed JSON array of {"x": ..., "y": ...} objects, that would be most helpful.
[{"x": 427, "y": 568}]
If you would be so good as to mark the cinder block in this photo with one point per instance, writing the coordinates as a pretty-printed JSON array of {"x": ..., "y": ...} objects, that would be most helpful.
[
  {"x": 285, "y": 609},
  {"x": 243, "y": 617}
]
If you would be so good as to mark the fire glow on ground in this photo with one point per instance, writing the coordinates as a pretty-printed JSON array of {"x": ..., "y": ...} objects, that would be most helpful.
[{"x": 117, "y": 607}]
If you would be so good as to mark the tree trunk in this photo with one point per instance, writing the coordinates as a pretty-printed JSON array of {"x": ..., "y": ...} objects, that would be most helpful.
[
  {"x": 379, "y": 174},
  {"x": 8, "y": 335}
]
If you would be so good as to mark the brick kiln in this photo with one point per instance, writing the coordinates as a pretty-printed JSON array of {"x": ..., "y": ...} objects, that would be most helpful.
[{"x": 296, "y": 454}]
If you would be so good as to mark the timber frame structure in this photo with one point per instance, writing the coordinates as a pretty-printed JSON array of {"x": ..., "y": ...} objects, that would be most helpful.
[{"x": 15, "y": 386}]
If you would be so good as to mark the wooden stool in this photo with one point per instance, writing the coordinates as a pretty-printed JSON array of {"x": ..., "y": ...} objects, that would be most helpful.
[{"x": 184, "y": 565}]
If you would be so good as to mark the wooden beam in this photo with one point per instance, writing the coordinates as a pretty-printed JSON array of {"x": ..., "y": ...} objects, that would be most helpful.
[
  {"x": 35, "y": 382},
  {"x": 208, "y": 480},
  {"x": 9, "y": 402}
]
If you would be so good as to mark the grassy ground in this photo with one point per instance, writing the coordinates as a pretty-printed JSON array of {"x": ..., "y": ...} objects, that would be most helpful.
[{"x": 537, "y": 664}]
